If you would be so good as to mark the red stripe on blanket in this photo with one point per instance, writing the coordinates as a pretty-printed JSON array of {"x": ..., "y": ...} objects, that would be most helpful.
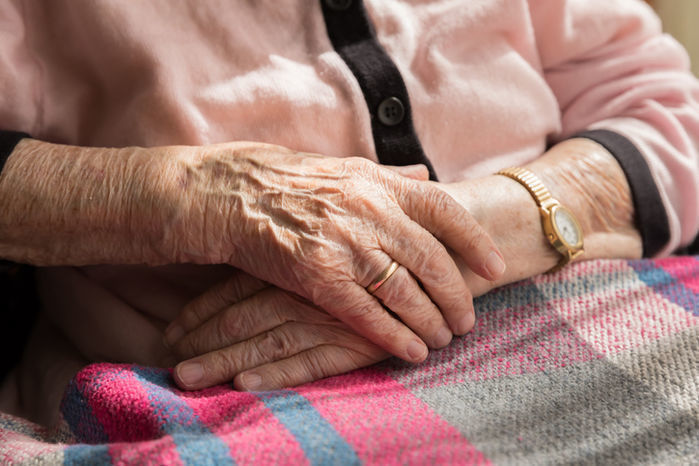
[
  {"x": 404, "y": 430},
  {"x": 253, "y": 434}
]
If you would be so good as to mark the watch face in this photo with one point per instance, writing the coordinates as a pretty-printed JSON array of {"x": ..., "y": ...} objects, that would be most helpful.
[{"x": 567, "y": 227}]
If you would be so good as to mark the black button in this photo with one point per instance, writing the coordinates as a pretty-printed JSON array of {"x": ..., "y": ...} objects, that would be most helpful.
[
  {"x": 338, "y": 5},
  {"x": 391, "y": 111}
]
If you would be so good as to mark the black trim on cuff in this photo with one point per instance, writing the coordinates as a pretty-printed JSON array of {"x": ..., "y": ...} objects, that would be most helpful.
[
  {"x": 650, "y": 215},
  {"x": 8, "y": 141},
  {"x": 354, "y": 39}
]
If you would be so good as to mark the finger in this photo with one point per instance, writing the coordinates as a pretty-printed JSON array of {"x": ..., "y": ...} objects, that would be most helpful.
[
  {"x": 196, "y": 312},
  {"x": 403, "y": 295},
  {"x": 417, "y": 172},
  {"x": 431, "y": 264},
  {"x": 314, "y": 364},
  {"x": 279, "y": 343},
  {"x": 440, "y": 214},
  {"x": 351, "y": 303},
  {"x": 263, "y": 311}
]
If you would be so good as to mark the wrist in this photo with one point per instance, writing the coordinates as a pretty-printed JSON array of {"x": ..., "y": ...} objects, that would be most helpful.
[
  {"x": 506, "y": 210},
  {"x": 585, "y": 177},
  {"x": 69, "y": 205}
]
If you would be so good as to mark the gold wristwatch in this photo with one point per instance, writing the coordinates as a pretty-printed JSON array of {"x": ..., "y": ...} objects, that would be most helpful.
[{"x": 560, "y": 225}]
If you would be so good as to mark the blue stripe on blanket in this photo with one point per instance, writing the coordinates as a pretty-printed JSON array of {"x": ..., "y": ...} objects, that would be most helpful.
[
  {"x": 666, "y": 285},
  {"x": 195, "y": 443},
  {"x": 74, "y": 408},
  {"x": 86, "y": 454},
  {"x": 320, "y": 441}
]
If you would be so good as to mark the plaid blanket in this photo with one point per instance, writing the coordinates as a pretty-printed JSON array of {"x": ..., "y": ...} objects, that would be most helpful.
[{"x": 598, "y": 363}]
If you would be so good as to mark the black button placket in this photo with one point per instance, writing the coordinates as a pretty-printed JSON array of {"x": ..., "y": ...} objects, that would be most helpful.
[{"x": 353, "y": 37}]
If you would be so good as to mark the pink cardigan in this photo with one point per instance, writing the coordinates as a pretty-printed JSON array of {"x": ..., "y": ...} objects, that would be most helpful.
[{"x": 491, "y": 82}]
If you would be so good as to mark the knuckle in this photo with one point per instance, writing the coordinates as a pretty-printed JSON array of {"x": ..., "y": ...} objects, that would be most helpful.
[
  {"x": 474, "y": 234},
  {"x": 337, "y": 297},
  {"x": 399, "y": 291},
  {"x": 275, "y": 344},
  {"x": 388, "y": 327},
  {"x": 458, "y": 301},
  {"x": 425, "y": 322},
  {"x": 219, "y": 365},
  {"x": 230, "y": 325},
  {"x": 291, "y": 372},
  {"x": 433, "y": 262},
  {"x": 357, "y": 312},
  {"x": 318, "y": 364},
  {"x": 440, "y": 202},
  {"x": 368, "y": 320},
  {"x": 283, "y": 303},
  {"x": 193, "y": 315},
  {"x": 355, "y": 164},
  {"x": 225, "y": 294},
  {"x": 185, "y": 348}
]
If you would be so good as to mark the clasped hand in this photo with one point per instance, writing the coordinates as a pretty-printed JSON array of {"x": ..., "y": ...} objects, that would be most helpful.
[{"x": 318, "y": 230}]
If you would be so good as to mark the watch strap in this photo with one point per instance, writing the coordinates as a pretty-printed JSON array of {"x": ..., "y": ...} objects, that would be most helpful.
[
  {"x": 532, "y": 183},
  {"x": 544, "y": 199}
]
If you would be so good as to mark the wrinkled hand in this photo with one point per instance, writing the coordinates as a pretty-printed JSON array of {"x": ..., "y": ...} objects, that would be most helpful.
[
  {"x": 325, "y": 228},
  {"x": 248, "y": 331},
  {"x": 504, "y": 209},
  {"x": 264, "y": 338}
]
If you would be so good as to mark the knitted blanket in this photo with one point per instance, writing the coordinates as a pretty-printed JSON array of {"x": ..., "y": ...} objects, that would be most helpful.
[{"x": 598, "y": 363}]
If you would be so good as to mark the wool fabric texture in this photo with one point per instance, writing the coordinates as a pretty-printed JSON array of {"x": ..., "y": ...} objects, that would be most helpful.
[{"x": 597, "y": 363}]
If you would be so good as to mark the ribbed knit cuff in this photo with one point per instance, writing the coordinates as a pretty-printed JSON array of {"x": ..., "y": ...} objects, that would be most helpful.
[
  {"x": 650, "y": 215},
  {"x": 8, "y": 141}
]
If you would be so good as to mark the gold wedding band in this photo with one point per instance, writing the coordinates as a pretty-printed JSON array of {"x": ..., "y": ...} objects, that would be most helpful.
[{"x": 381, "y": 279}]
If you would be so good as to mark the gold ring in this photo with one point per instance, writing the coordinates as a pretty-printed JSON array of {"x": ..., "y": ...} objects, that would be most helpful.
[{"x": 381, "y": 279}]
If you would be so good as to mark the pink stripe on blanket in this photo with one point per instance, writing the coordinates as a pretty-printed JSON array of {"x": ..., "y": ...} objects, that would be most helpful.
[
  {"x": 684, "y": 269},
  {"x": 103, "y": 385},
  {"x": 121, "y": 398},
  {"x": 116, "y": 395},
  {"x": 157, "y": 451},
  {"x": 404, "y": 429},
  {"x": 612, "y": 320},
  {"x": 246, "y": 425},
  {"x": 505, "y": 342}
]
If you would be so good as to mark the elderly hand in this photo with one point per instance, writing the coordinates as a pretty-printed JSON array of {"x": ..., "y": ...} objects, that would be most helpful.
[
  {"x": 271, "y": 339},
  {"x": 325, "y": 228},
  {"x": 264, "y": 338}
]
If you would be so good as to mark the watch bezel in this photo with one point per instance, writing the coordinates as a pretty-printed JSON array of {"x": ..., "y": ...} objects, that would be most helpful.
[{"x": 559, "y": 235}]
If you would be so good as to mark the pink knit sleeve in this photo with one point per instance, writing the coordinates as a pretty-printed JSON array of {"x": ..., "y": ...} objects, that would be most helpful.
[{"x": 613, "y": 70}]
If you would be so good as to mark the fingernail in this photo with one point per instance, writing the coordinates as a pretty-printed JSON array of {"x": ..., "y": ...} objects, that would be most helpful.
[
  {"x": 417, "y": 350},
  {"x": 495, "y": 265},
  {"x": 172, "y": 335},
  {"x": 251, "y": 381},
  {"x": 466, "y": 324},
  {"x": 190, "y": 373},
  {"x": 443, "y": 337}
]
